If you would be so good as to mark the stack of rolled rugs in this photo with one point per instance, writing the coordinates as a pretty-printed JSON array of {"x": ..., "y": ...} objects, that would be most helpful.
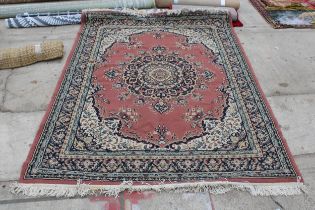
[
  {"x": 11, "y": 10},
  {"x": 68, "y": 12},
  {"x": 22, "y": 1},
  {"x": 30, "y": 13},
  {"x": 227, "y": 5}
]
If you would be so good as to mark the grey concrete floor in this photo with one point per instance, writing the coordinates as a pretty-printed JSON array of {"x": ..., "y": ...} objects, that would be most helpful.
[{"x": 284, "y": 63}]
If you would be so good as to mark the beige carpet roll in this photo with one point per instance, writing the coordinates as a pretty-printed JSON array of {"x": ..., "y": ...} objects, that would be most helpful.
[
  {"x": 214, "y": 3},
  {"x": 23, "y": 56}
]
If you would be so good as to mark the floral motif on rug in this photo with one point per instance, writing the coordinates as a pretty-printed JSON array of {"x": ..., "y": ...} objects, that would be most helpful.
[
  {"x": 158, "y": 97},
  {"x": 287, "y": 13}
]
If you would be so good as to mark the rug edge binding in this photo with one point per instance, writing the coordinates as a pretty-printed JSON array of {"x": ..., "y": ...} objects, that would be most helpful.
[{"x": 82, "y": 190}]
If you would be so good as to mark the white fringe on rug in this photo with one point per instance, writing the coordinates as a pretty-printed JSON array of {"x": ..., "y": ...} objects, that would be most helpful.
[
  {"x": 148, "y": 12},
  {"x": 60, "y": 190}
]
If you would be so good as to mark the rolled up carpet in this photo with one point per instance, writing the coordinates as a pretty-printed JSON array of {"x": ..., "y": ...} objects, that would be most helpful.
[
  {"x": 22, "y": 1},
  {"x": 23, "y": 56},
  {"x": 43, "y": 19},
  {"x": 214, "y": 3},
  {"x": 233, "y": 13},
  {"x": 27, "y": 20},
  {"x": 7, "y": 11}
]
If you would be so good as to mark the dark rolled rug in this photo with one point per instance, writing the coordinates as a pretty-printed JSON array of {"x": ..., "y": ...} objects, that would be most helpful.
[{"x": 158, "y": 100}]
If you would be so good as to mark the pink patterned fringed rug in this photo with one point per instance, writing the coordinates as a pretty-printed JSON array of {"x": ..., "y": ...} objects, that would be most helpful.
[{"x": 159, "y": 100}]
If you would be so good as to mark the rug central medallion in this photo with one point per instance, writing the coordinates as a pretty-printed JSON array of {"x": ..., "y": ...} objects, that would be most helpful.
[
  {"x": 159, "y": 87},
  {"x": 160, "y": 76}
]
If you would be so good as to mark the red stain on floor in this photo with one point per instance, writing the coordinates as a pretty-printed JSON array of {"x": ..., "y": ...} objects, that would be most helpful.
[
  {"x": 211, "y": 201},
  {"x": 135, "y": 197},
  {"x": 110, "y": 203},
  {"x": 124, "y": 201}
]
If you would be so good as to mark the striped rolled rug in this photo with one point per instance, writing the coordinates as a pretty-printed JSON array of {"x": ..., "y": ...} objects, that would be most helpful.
[{"x": 43, "y": 19}]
